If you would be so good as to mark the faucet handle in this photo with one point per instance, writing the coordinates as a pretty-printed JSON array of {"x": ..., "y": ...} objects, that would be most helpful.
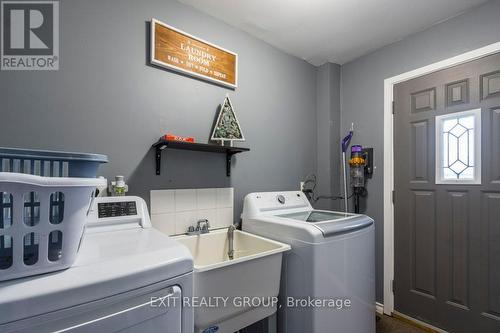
[
  {"x": 202, "y": 221},
  {"x": 203, "y": 224}
]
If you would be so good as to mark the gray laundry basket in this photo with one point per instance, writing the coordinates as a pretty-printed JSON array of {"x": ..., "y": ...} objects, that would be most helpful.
[
  {"x": 50, "y": 163},
  {"x": 44, "y": 200}
]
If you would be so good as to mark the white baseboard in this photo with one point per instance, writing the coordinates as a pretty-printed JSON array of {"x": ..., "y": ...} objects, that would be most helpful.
[{"x": 379, "y": 308}]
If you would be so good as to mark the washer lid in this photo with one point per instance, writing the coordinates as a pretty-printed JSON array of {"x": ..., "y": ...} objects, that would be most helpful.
[
  {"x": 108, "y": 263},
  {"x": 313, "y": 216},
  {"x": 329, "y": 222}
]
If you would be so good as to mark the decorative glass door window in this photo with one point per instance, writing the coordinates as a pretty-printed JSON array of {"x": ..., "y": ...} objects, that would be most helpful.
[{"x": 458, "y": 148}]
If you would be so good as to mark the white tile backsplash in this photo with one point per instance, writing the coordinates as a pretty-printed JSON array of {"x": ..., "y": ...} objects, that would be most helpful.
[
  {"x": 185, "y": 200},
  {"x": 206, "y": 198},
  {"x": 173, "y": 211},
  {"x": 164, "y": 222},
  {"x": 224, "y": 217},
  {"x": 225, "y": 197},
  {"x": 209, "y": 214},
  {"x": 162, "y": 201},
  {"x": 183, "y": 220}
]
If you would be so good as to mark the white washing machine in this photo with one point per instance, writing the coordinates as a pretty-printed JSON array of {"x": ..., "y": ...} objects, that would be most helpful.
[
  {"x": 332, "y": 263},
  {"x": 128, "y": 277}
]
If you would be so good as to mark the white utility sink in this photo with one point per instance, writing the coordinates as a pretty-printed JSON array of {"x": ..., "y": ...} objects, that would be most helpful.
[{"x": 254, "y": 272}]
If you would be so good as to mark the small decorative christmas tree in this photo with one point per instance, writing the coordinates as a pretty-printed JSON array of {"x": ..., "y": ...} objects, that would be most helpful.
[{"x": 227, "y": 127}]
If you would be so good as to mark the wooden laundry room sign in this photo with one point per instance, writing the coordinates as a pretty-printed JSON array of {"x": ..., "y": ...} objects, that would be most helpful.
[{"x": 174, "y": 49}]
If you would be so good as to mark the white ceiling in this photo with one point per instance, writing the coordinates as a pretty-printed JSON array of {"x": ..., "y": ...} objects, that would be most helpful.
[{"x": 337, "y": 31}]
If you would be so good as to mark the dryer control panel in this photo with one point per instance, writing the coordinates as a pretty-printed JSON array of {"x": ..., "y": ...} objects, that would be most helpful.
[
  {"x": 118, "y": 213},
  {"x": 114, "y": 209}
]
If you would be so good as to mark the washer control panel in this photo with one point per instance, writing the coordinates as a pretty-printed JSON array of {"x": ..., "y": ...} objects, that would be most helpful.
[
  {"x": 269, "y": 201},
  {"x": 281, "y": 199}
]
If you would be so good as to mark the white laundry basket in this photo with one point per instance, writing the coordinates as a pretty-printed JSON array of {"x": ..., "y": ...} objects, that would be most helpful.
[
  {"x": 44, "y": 220},
  {"x": 44, "y": 200}
]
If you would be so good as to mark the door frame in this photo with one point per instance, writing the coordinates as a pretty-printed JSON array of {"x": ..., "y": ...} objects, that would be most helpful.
[{"x": 389, "y": 83}]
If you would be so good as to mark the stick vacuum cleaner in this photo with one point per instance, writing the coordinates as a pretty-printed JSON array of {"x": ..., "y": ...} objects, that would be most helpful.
[{"x": 345, "y": 145}]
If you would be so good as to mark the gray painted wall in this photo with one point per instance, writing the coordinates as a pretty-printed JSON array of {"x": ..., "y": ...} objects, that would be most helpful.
[
  {"x": 363, "y": 89},
  {"x": 106, "y": 99},
  {"x": 328, "y": 126}
]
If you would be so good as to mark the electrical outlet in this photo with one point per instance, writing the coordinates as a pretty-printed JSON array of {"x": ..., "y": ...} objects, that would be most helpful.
[{"x": 302, "y": 186}]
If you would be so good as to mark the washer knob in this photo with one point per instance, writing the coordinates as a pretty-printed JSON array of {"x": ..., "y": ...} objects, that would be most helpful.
[{"x": 281, "y": 199}]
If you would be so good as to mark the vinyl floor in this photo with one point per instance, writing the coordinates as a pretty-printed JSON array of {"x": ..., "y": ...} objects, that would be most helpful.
[{"x": 386, "y": 324}]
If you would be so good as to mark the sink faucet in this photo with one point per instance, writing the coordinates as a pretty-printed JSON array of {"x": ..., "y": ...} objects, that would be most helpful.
[
  {"x": 203, "y": 225},
  {"x": 230, "y": 238},
  {"x": 201, "y": 228}
]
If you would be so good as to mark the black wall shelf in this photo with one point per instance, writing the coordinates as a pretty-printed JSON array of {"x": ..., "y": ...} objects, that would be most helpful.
[{"x": 161, "y": 145}]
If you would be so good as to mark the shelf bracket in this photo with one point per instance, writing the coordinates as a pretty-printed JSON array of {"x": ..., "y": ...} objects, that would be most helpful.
[
  {"x": 158, "y": 160},
  {"x": 228, "y": 163}
]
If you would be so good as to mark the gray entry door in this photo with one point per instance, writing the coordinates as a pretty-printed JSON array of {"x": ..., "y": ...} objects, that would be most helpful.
[{"x": 447, "y": 197}]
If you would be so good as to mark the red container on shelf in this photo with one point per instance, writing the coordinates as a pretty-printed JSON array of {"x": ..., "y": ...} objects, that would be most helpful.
[{"x": 171, "y": 137}]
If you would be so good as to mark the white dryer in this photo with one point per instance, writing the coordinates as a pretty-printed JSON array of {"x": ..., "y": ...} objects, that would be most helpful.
[
  {"x": 128, "y": 277},
  {"x": 332, "y": 263}
]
